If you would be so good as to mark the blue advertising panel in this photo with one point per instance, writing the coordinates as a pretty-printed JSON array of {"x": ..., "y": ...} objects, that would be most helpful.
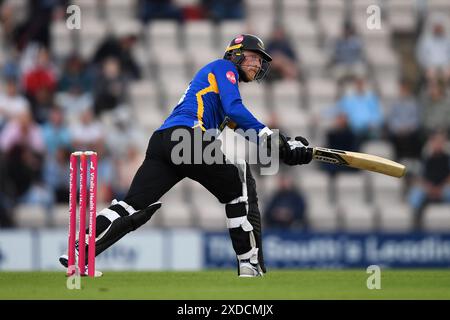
[{"x": 337, "y": 250}]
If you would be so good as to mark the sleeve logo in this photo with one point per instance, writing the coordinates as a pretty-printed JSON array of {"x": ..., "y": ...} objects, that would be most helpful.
[{"x": 231, "y": 77}]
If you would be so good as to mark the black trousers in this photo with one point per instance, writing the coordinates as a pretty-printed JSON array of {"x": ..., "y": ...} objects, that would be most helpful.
[{"x": 158, "y": 173}]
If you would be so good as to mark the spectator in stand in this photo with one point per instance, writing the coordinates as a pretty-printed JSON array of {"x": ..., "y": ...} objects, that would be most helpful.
[
  {"x": 348, "y": 59},
  {"x": 436, "y": 108},
  {"x": 75, "y": 88},
  {"x": 23, "y": 146},
  {"x": 362, "y": 108},
  {"x": 286, "y": 209},
  {"x": 340, "y": 137},
  {"x": 434, "y": 183},
  {"x": 75, "y": 75},
  {"x": 120, "y": 49},
  {"x": 111, "y": 88},
  {"x": 11, "y": 102},
  {"x": 55, "y": 174},
  {"x": 36, "y": 27},
  {"x": 149, "y": 10},
  {"x": 56, "y": 134},
  {"x": 219, "y": 10},
  {"x": 88, "y": 133},
  {"x": 403, "y": 124},
  {"x": 284, "y": 60},
  {"x": 433, "y": 51},
  {"x": 40, "y": 83}
]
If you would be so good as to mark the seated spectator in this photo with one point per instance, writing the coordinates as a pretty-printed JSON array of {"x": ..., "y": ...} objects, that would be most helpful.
[
  {"x": 149, "y": 10},
  {"x": 286, "y": 209},
  {"x": 340, "y": 137},
  {"x": 75, "y": 75},
  {"x": 23, "y": 146},
  {"x": 347, "y": 58},
  {"x": 436, "y": 108},
  {"x": 120, "y": 49},
  {"x": 434, "y": 183},
  {"x": 41, "y": 75},
  {"x": 403, "y": 124},
  {"x": 56, "y": 134},
  {"x": 111, "y": 89},
  {"x": 218, "y": 10},
  {"x": 55, "y": 170},
  {"x": 285, "y": 63},
  {"x": 363, "y": 111},
  {"x": 11, "y": 102},
  {"x": 88, "y": 133},
  {"x": 433, "y": 51}
]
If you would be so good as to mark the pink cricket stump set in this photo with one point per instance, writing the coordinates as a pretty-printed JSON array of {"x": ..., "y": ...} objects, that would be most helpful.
[{"x": 83, "y": 203}]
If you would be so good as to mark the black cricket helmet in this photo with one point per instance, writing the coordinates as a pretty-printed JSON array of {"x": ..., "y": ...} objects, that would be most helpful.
[{"x": 252, "y": 43}]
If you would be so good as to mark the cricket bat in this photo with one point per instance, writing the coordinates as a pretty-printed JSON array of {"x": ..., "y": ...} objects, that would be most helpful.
[{"x": 358, "y": 160}]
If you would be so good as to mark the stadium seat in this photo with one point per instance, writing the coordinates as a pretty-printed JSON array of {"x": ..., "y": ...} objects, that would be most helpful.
[
  {"x": 92, "y": 34},
  {"x": 175, "y": 210},
  {"x": 172, "y": 93},
  {"x": 322, "y": 216},
  {"x": 198, "y": 35},
  {"x": 438, "y": 6},
  {"x": 196, "y": 61},
  {"x": 402, "y": 15},
  {"x": 287, "y": 93},
  {"x": 295, "y": 10},
  {"x": 31, "y": 216},
  {"x": 62, "y": 39},
  {"x": 436, "y": 218},
  {"x": 163, "y": 35},
  {"x": 330, "y": 28},
  {"x": 261, "y": 17},
  {"x": 357, "y": 217},
  {"x": 208, "y": 212},
  {"x": 254, "y": 96},
  {"x": 120, "y": 10},
  {"x": 90, "y": 9},
  {"x": 351, "y": 187},
  {"x": 228, "y": 30},
  {"x": 395, "y": 217},
  {"x": 378, "y": 148},
  {"x": 171, "y": 66},
  {"x": 313, "y": 60},
  {"x": 144, "y": 94},
  {"x": 302, "y": 32},
  {"x": 321, "y": 91},
  {"x": 382, "y": 57}
]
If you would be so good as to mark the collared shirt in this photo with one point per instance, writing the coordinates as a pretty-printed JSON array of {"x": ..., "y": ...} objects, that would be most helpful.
[{"x": 212, "y": 95}]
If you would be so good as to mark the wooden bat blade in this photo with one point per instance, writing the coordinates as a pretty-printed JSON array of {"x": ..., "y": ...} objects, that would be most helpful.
[{"x": 360, "y": 161}]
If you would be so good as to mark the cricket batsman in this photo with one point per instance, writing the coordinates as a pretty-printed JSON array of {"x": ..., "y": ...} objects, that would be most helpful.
[{"x": 211, "y": 98}]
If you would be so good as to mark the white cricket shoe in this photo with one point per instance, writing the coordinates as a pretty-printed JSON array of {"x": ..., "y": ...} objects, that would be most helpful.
[
  {"x": 248, "y": 269},
  {"x": 64, "y": 260}
]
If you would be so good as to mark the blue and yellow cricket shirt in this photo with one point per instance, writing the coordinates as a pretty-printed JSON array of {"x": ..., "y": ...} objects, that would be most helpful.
[{"x": 212, "y": 95}]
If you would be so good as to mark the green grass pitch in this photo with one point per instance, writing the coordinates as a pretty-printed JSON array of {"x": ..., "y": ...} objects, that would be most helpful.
[{"x": 224, "y": 284}]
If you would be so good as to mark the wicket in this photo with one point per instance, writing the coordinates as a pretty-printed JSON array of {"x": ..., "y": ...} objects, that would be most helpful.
[{"x": 83, "y": 155}]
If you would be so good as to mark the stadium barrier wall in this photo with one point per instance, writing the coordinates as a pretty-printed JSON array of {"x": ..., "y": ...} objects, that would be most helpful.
[{"x": 191, "y": 249}]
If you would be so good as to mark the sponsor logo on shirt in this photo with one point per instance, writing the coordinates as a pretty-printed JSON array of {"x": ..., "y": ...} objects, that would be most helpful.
[{"x": 231, "y": 77}]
